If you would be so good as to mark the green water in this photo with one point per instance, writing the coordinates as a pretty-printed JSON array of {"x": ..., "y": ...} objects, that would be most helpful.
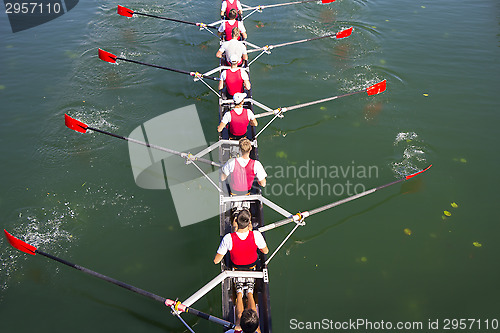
[{"x": 74, "y": 195}]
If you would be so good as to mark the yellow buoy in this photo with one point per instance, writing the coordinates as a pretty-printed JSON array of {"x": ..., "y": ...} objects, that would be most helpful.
[{"x": 407, "y": 231}]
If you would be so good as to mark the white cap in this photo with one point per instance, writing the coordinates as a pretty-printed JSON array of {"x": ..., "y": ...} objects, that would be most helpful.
[
  {"x": 239, "y": 97},
  {"x": 234, "y": 58}
]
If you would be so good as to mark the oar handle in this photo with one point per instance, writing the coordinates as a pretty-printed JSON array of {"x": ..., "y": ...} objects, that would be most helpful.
[{"x": 211, "y": 318}]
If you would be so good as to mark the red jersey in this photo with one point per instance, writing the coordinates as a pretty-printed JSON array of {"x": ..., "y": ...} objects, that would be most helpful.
[
  {"x": 234, "y": 82},
  {"x": 242, "y": 177},
  {"x": 244, "y": 252},
  {"x": 228, "y": 30},
  {"x": 239, "y": 123}
]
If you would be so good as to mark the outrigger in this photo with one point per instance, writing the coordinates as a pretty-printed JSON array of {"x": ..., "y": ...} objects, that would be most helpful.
[{"x": 227, "y": 202}]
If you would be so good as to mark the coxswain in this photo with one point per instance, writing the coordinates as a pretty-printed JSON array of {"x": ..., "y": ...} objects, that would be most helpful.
[
  {"x": 227, "y": 26},
  {"x": 226, "y": 7},
  {"x": 238, "y": 118},
  {"x": 233, "y": 47},
  {"x": 248, "y": 322},
  {"x": 235, "y": 79},
  {"x": 243, "y": 170}
]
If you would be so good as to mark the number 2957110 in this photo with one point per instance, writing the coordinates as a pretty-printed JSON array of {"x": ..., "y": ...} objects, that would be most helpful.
[{"x": 32, "y": 8}]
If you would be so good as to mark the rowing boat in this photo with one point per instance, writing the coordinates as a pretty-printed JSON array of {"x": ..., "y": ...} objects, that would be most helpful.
[
  {"x": 226, "y": 149},
  {"x": 226, "y": 208}
]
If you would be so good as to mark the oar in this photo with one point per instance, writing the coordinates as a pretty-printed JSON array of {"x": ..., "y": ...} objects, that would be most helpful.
[
  {"x": 339, "y": 35},
  {"x": 300, "y": 216},
  {"x": 371, "y": 90},
  {"x": 284, "y": 4},
  {"x": 175, "y": 305},
  {"x": 78, "y": 126},
  {"x": 110, "y": 57},
  {"x": 127, "y": 12}
]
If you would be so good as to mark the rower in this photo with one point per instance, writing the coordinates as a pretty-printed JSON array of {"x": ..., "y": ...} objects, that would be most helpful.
[
  {"x": 234, "y": 79},
  {"x": 243, "y": 170},
  {"x": 227, "y": 26},
  {"x": 233, "y": 47},
  {"x": 242, "y": 246},
  {"x": 226, "y": 7},
  {"x": 238, "y": 118}
]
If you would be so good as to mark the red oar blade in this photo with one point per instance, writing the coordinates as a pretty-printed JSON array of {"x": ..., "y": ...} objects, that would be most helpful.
[
  {"x": 327, "y": 1},
  {"x": 344, "y": 33},
  {"x": 124, "y": 11},
  {"x": 106, "y": 56},
  {"x": 377, "y": 88},
  {"x": 19, "y": 244},
  {"x": 417, "y": 173},
  {"x": 74, "y": 124}
]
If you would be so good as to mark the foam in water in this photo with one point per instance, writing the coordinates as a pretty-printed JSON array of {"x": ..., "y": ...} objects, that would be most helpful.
[{"x": 413, "y": 154}]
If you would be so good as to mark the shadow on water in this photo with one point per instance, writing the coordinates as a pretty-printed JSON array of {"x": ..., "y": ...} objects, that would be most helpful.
[{"x": 406, "y": 188}]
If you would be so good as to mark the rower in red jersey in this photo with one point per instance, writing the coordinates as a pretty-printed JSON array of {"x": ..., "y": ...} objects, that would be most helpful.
[
  {"x": 242, "y": 246},
  {"x": 226, "y": 7},
  {"x": 235, "y": 79},
  {"x": 243, "y": 170},
  {"x": 226, "y": 27},
  {"x": 238, "y": 118}
]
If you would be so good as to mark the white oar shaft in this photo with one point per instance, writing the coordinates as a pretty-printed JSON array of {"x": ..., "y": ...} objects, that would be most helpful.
[
  {"x": 277, "y": 5},
  {"x": 322, "y": 100},
  {"x": 270, "y": 47}
]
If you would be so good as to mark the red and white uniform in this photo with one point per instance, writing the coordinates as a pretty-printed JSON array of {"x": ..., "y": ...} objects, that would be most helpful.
[
  {"x": 234, "y": 79},
  {"x": 242, "y": 246},
  {"x": 233, "y": 48},
  {"x": 239, "y": 118},
  {"x": 227, "y": 5},
  {"x": 227, "y": 28},
  {"x": 243, "y": 172}
]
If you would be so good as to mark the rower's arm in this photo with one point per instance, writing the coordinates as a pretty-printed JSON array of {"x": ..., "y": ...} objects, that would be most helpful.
[
  {"x": 219, "y": 54},
  {"x": 218, "y": 258},
  {"x": 247, "y": 84},
  {"x": 265, "y": 250},
  {"x": 262, "y": 182},
  {"x": 221, "y": 127},
  {"x": 253, "y": 122}
]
